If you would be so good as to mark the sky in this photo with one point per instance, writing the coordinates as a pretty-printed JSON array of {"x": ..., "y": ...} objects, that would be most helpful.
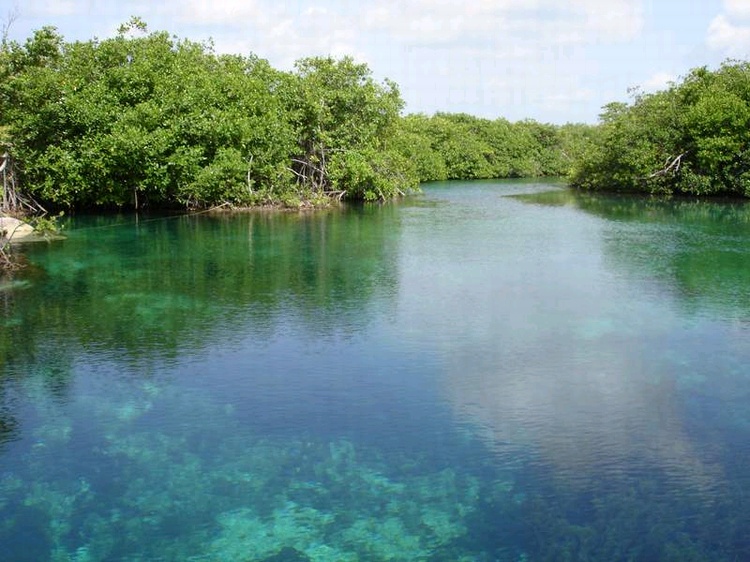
[{"x": 555, "y": 61}]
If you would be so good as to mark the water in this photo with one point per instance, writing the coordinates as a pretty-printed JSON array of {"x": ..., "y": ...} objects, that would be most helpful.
[{"x": 492, "y": 371}]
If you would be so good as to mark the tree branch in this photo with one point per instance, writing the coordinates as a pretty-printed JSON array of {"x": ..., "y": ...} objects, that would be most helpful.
[
  {"x": 10, "y": 18},
  {"x": 671, "y": 165}
]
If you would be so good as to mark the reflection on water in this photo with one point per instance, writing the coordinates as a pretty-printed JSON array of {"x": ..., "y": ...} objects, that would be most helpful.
[
  {"x": 697, "y": 247},
  {"x": 464, "y": 376}
]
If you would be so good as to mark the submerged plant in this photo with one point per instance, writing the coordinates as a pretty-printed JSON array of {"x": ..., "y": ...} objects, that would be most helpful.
[{"x": 144, "y": 493}]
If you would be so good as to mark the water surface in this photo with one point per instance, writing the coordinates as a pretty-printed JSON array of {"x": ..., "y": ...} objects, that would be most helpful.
[{"x": 489, "y": 371}]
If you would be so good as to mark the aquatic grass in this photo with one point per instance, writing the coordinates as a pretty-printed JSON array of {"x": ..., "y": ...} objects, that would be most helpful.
[{"x": 145, "y": 493}]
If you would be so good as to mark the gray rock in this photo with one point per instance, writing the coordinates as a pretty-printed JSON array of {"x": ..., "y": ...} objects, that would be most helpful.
[{"x": 14, "y": 229}]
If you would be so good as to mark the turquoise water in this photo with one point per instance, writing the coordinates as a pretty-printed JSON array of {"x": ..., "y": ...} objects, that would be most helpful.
[{"x": 491, "y": 371}]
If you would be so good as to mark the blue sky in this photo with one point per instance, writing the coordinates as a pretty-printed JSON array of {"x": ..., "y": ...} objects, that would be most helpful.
[{"x": 551, "y": 60}]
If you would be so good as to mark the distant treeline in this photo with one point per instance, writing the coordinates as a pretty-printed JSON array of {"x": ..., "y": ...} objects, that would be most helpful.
[
  {"x": 459, "y": 146},
  {"x": 150, "y": 119}
]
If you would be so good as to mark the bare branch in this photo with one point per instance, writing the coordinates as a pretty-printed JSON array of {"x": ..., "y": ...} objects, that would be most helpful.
[
  {"x": 296, "y": 173},
  {"x": 308, "y": 165},
  {"x": 249, "y": 176},
  {"x": 671, "y": 165},
  {"x": 7, "y": 23},
  {"x": 338, "y": 195}
]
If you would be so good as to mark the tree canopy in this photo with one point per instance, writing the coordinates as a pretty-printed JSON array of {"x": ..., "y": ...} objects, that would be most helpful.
[
  {"x": 692, "y": 138},
  {"x": 461, "y": 146},
  {"x": 150, "y": 119}
]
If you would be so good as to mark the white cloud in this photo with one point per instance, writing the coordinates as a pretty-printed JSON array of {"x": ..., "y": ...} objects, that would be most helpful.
[
  {"x": 727, "y": 37},
  {"x": 737, "y": 8},
  {"x": 517, "y": 58},
  {"x": 228, "y": 12},
  {"x": 475, "y": 42},
  {"x": 445, "y": 54},
  {"x": 618, "y": 20},
  {"x": 566, "y": 97},
  {"x": 491, "y": 32},
  {"x": 729, "y": 32},
  {"x": 280, "y": 31},
  {"x": 44, "y": 9},
  {"x": 658, "y": 81},
  {"x": 429, "y": 22}
]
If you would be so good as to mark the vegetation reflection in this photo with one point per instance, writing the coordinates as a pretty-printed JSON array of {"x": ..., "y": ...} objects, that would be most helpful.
[
  {"x": 696, "y": 246},
  {"x": 175, "y": 285}
]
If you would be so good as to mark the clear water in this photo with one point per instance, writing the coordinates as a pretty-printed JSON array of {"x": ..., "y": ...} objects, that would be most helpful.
[{"x": 492, "y": 371}]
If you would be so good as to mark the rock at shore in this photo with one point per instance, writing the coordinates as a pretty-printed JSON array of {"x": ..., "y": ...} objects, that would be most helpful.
[{"x": 14, "y": 229}]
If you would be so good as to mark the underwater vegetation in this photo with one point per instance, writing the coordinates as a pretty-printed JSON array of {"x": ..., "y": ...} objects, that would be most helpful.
[
  {"x": 139, "y": 494},
  {"x": 284, "y": 389},
  {"x": 142, "y": 489},
  {"x": 162, "y": 472}
]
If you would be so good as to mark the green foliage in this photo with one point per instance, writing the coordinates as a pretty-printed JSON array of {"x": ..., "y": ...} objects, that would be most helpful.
[
  {"x": 344, "y": 122},
  {"x": 413, "y": 142},
  {"x": 461, "y": 146},
  {"x": 691, "y": 138},
  {"x": 147, "y": 119},
  {"x": 370, "y": 175},
  {"x": 47, "y": 226}
]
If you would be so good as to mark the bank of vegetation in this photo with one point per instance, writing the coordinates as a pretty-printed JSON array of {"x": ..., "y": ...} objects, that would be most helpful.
[
  {"x": 692, "y": 138},
  {"x": 147, "y": 119},
  {"x": 150, "y": 120}
]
